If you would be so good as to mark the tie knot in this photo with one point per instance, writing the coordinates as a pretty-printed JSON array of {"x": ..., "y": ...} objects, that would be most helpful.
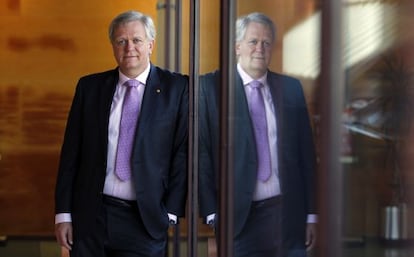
[
  {"x": 132, "y": 83},
  {"x": 256, "y": 84}
]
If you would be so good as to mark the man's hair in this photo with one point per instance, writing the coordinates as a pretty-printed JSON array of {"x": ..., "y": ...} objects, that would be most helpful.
[
  {"x": 244, "y": 21},
  {"x": 133, "y": 16}
]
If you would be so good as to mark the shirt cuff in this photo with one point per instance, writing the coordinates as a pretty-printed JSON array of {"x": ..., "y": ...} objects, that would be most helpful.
[
  {"x": 210, "y": 218},
  {"x": 172, "y": 218},
  {"x": 63, "y": 217},
  {"x": 312, "y": 218}
]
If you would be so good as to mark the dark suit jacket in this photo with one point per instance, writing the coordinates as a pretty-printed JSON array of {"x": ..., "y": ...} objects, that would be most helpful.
[
  {"x": 296, "y": 157},
  {"x": 159, "y": 156}
]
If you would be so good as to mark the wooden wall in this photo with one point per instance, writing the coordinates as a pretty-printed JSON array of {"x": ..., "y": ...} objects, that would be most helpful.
[{"x": 46, "y": 45}]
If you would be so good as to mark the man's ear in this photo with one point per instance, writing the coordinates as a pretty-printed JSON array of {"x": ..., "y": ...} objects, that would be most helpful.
[
  {"x": 237, "y": 49},
  {"x": 151, "y": 46}
]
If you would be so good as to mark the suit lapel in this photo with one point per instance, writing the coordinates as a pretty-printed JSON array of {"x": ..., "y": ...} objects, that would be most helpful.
[
  {"x": 106, "y": 95},
  {"x": 241, "y": 110},
  {"x": 153, "y": 88},
  {"x": 244, "y": 142},
  {"x": 276, "y": 90}
]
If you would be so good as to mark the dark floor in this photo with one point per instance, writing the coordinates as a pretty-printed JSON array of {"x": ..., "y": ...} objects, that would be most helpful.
[
  {"x": 377, "y": 248},
  {"x": 47, "y": 247},
  {"x": 29, "y": 247}
]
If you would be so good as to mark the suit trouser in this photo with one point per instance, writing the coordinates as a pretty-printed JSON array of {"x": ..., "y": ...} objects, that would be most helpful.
[
  {"x": 119, "y": 233},
  {"x": 261, "y": 235}
]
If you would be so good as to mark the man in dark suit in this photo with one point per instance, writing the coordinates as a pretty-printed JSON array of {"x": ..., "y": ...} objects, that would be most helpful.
[
  {"x": 274, "y": 206},
  {"x": 100, "y": 211}
]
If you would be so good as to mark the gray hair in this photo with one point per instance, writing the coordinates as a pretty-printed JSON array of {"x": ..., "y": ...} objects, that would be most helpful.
[
  {"x": 133, "y": 16},
  {"x": 244, "y": 21}
]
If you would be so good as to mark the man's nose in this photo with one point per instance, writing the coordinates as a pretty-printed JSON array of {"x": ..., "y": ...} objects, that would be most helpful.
[
  {"x": 130, "y": 44},
  {"x": 260, "y": 46}
]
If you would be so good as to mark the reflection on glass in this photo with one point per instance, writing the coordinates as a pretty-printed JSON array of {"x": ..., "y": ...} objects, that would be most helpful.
[
  {"x": 273, "y": 151},
  {"x": 377, "y": 110},
  {"x": 377, "y": 107}
]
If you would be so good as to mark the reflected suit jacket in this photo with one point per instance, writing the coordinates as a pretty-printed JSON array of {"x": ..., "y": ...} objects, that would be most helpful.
[
  {"x": 296, "y": 156},
  {"x": 159, "y": 157}
]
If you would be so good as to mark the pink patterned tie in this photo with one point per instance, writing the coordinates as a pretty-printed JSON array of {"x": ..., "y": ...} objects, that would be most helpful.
[
  {"x": 258, "y": 116},
  {"x": 129, "y": 116}
]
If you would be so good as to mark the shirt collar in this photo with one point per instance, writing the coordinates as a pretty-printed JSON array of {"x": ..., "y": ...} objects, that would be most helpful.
[
  {"x": 246, "y": 77},
  {"x": 142, "y": 78}
]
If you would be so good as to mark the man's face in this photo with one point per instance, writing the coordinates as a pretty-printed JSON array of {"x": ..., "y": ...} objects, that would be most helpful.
[
  {"x": 254, "y": 51},
  {"x": 131, "y": 48}
]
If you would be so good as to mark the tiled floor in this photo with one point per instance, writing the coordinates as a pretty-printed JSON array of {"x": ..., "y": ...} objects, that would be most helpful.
[{"x": 47, "y": 247}]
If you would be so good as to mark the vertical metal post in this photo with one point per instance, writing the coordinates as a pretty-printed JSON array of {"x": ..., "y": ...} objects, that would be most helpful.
[
  {"x": 178, "y": 33},
  {"x": 177, "y": 68},
  {"x": 330, "y": 100},
  {"x": 192, "y": 211},
  {"x": 227, "y": 66},
  {"x": 167, "y": 41}
]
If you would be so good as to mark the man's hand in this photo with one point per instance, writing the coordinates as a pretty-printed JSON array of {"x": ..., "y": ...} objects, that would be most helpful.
[
  {"x": 310, "y": 236},
  {"x": 63, "y": 232}
]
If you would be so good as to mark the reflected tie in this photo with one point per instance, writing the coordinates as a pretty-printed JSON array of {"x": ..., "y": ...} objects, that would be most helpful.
[
  {"x": 129, "y": 116},
  {"x": 258, "y": 116}
]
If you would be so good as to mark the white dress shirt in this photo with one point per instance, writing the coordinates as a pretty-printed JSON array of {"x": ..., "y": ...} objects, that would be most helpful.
[
  {"x": 270, "y": 187},
  {"x": 113, "y": 185}
]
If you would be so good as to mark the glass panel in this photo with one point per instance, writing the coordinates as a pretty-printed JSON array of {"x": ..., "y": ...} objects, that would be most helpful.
[
  {"x": 209, "y": 59},
  {"x": 290, "y": 82},
  {"x": 376, "y": 120},
  {"x": 239, "y": 154}
]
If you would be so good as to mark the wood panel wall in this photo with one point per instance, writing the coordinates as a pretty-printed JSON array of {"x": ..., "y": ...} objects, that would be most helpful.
[{"x": 46, "y": 45}]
